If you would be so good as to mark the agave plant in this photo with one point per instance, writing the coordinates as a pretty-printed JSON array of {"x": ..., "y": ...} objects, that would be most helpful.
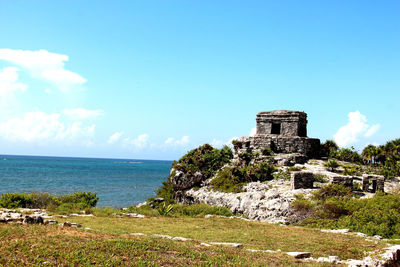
[{"x": 164, "y": 209}]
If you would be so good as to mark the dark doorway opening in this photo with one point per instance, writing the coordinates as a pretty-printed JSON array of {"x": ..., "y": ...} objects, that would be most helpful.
[{"x": 276, "y": 128}]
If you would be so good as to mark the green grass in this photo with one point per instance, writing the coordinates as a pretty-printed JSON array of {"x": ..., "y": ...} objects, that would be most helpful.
[
  {"x": 53, "y": 246},
  {"x": 253, "y": 235}
]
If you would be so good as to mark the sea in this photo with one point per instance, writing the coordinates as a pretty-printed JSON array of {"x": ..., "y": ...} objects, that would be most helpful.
[{"x": 117, "y": 182}]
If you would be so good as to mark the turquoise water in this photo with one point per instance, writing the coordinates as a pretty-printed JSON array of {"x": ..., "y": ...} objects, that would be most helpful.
[{"x": 118, "y": 182}]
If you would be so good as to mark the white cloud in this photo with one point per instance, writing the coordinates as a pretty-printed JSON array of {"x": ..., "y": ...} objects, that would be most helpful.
[
  {"x": 177, "y": 142},
  {"x": 220, "y": 143},
  {"x": 253, "y": 131},
  {"x": 44, "y": 65},
  {"x": 114, "y": 138},
  {"x": 40, "y": 127},
  {"x": 139, "y": 142},
  {"x": 372, "y": 130},
  {"x": 9, "y": 83},
  {"x": 81, "y": 113},
  {"x": 356, "y": 128}
]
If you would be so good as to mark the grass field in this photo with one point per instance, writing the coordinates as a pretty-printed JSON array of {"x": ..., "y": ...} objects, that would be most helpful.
[
  {"x": 109, "y": 243},
  {"x": 53, "y": 245}
]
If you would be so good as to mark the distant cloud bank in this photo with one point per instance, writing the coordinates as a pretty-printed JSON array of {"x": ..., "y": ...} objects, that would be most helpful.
[{"x": 357, "y": 129}]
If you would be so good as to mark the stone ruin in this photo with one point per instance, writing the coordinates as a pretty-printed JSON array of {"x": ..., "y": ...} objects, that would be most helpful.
[
  {"x": 370, "y": 183},
  {"x": 303, "y": 180},
  {"x": 283, "y": 131}
]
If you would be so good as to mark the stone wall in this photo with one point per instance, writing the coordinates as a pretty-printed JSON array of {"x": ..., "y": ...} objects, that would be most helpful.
[
  {"x": 343, "y": 180},
  {"x": 291, "y": 123},
  {"x": 279, "y": 144},
  {"x": 302, "y": 180}
]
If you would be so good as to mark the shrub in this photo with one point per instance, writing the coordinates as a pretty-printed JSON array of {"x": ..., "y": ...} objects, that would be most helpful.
[
  {"x": 302, "y": 204},
  {"x": 331, "y": 207},
  {"x": 79, "y": 200},
  {"x": 16, "y": 200},
  {"x": 231, "y": 179},
  {"x": 166, "y": 192},
  {"x": 228, "y": 180},
  {"x": 332, "y": 164},
  {"x": 259, "y": 172},
  {"x": 84, "y": 198},
  {"x": 332, "y": 190},
  {"x": 205, "y": 159}
]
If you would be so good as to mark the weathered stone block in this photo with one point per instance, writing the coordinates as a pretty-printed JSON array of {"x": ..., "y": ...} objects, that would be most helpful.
[
  {"x": 344, "y": 180},
  {"x": 373, "y": 183},
  {"x": 302, "y": 180}
]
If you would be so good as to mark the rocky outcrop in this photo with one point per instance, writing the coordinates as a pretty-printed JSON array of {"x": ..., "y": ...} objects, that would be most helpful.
[
  {"x": 181, "y": 180},
  {"x": 265, "y": 202}
]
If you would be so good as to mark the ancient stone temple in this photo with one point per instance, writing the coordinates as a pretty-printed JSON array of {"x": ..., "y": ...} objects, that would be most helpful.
[{"x": 283, "y": 131}]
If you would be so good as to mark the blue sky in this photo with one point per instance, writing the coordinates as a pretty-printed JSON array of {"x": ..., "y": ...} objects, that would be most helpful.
[{"x": 153, "y": 79}]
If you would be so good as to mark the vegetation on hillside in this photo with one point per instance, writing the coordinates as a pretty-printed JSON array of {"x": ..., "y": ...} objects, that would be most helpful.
[
  {"x": 335, "y": 206},
  {"x": 204, "y": 159},
  {"x": 232, "y": 178},
  {"x": 383, "y": 159}
]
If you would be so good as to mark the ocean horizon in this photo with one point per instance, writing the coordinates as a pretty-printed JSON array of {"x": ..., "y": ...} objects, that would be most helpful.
[{"x": 117, "y": 182}]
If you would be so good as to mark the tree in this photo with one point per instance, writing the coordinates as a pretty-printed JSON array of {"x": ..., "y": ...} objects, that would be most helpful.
[{"x": 369, "y": 153}]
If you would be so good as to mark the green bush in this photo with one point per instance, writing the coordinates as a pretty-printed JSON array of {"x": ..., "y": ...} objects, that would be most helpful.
[
  {"x": 232, "y": 179},
  {"x": 227, "y": 181},
  {"x": 16, "y": 200},
  {"x": 205, "y": 159},
  {"x": 302, "y": 204},
  {"x": 332, "y": 190},
  {"x": 331, "y": 207},
  {"x": 84, "y": 198},
  {"x": 77, "y": 200},
  {"x": 166, "y": 192}
]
